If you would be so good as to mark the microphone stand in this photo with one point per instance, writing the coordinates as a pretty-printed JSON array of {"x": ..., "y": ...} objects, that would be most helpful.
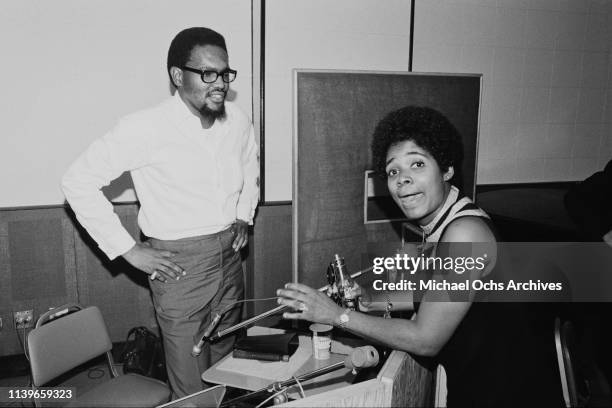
[
  {"x": 197, "y": 349},
  {"x": 240, "y": 325}
]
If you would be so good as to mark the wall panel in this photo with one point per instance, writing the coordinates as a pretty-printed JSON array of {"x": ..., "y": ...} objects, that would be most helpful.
[
  {"x": 322, "y": 34},
  {"x": 332, "y": 153},
  {"x": 47, "y": 259},
  {"x": 272, "y": 253},
  {"x": 101, "y": 60},
  {"x": 547, "y": 89},
  {"x": 37, "y": 267},
  {"x": 119, "y": 290}
]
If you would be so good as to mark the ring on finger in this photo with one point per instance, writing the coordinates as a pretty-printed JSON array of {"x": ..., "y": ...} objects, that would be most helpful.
[
  {"x": 302, "y": 306},
  {"x": 153, "y": 276}
]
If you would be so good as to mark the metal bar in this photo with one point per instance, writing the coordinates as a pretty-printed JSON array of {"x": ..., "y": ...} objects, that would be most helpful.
[
  {"x": 277, "y": 386},
  {"x": 275, "y": 310}
]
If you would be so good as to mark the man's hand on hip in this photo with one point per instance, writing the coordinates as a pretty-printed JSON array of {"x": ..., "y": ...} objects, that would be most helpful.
[
  {"x": 155, "y": 262},
  {"x": 240, "y": 229}
]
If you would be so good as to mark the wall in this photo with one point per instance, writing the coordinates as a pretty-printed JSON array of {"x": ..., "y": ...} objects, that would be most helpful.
[
  {"x": 322, "y": 34},
  {"x": 71, "y": 68},
  {"x": 547, "y": 65},
  {"x": 271, "y": 245},
  {"x": 47, "y": 260}
]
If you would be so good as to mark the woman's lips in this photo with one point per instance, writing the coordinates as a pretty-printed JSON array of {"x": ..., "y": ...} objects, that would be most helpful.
[{"x": 410, "y": 199}]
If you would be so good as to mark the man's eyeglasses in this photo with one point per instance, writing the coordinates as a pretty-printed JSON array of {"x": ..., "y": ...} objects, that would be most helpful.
[{"x": 211, "y": 76}]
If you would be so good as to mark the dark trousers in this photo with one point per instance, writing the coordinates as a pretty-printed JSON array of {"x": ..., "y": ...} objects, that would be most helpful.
[{"x": 184, "y": 307}]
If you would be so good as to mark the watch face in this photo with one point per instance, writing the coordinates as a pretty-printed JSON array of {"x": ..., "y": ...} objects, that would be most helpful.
[{"x": 344, "y": 318}]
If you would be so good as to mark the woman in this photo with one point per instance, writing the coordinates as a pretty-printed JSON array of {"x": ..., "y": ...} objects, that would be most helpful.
[{"x": 418, "y": 151}]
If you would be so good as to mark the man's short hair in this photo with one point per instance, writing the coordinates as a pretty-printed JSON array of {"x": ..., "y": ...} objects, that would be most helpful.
[{"x": 184, "y": 42}]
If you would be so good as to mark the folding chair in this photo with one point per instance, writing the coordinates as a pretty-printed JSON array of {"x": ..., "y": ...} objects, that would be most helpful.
[{"x": 62, "y": 341}]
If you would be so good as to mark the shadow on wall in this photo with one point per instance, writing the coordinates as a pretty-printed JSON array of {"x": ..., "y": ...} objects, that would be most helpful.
[
  {"x": 127, "y": 214},
  {"x": 119, "y": 186}
]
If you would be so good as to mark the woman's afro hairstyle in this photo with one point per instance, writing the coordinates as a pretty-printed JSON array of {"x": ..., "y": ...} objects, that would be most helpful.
[{"x": 424, "y": 126}]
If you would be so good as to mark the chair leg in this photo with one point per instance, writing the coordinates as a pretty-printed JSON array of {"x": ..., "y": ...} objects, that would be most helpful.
[
  {"x": 111, "y": 364},
  {"x": 561, "y": 362}
]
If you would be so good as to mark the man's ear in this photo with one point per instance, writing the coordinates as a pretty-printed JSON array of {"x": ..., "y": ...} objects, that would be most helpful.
[
  {"x": 177, "y": 76},
  {"x": 449, "y": 173}
]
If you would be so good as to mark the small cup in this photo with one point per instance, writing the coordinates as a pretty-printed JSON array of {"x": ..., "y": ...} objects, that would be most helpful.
[{"x": 321, "y": 341}]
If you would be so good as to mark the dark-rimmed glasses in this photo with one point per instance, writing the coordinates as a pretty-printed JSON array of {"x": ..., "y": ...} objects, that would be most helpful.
[{"x": 211, "y": 76}]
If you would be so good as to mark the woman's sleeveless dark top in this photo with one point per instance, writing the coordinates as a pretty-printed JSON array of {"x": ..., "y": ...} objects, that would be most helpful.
[{"x": 501, "y": 354}]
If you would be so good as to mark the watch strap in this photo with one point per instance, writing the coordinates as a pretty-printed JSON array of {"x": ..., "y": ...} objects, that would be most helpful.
[{"x": 344, "y": 318}]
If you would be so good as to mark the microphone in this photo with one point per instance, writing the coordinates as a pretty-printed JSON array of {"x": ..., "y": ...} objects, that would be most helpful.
[
  {"x": 348, "y": 291},
  {"x": 362, "y": 357},
  {"x": 197, "y": 349}
]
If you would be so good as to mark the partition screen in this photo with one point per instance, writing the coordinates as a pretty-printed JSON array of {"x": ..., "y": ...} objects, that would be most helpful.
[{"x": 334, "y": 117}]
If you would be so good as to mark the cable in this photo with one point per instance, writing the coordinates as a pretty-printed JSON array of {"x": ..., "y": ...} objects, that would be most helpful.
[
  {"x": 231, "y": 305},
  {"x": 270, "y": 397},
  {"x": 25, "y": 348},
  {"x": 27, "y": 356},
  {"x": 299, "y": 385},
  {"x": 22, "y": 342}
]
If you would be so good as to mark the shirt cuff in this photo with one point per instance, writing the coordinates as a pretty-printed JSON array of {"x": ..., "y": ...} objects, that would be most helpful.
[
  {"x": 118, "y": 246},
  {"x": 245, "y": 213}
]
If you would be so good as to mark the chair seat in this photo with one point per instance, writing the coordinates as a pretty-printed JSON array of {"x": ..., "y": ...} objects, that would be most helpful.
[{"x": 129, "y": 390}]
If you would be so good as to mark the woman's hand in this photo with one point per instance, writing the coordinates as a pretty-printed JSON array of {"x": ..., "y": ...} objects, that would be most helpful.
[{"x": 313, "y": 305}]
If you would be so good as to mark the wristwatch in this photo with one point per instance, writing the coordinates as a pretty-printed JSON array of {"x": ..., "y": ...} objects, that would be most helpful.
[{"x": 344, "y": 319}]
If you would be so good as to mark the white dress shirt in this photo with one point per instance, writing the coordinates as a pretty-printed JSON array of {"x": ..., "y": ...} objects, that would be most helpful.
[{"x": 189, "y": 181}]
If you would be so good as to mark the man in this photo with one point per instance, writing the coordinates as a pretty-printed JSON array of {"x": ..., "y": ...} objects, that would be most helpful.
[
  {"x": 194, "y": 163},
  {"x": 589, "y": 205}
]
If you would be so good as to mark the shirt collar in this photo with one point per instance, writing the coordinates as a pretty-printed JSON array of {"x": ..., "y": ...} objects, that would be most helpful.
[
  {"x": 181, "y": 112},
  {"x": 450, "y": 200},
  {"x": 180, "y": 109}
]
